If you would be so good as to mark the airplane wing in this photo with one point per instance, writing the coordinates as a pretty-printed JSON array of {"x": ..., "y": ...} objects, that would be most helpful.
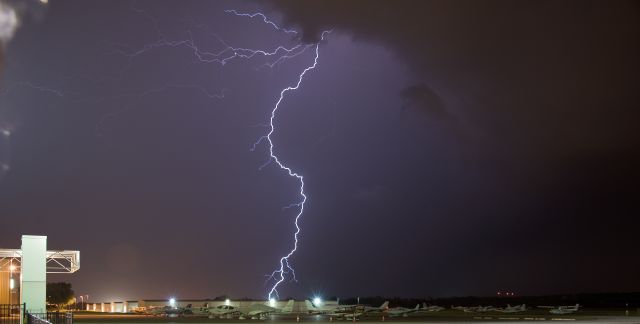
[{"x": 258, "y": 310}]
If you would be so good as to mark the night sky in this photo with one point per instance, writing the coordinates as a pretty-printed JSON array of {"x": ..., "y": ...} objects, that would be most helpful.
[{"x": 448, "y": 147}]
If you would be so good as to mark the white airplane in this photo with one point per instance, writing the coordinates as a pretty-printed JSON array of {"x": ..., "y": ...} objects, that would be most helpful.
[
  {"x": 565, "y": 309},
  {"x": 342, "y": 309},
  {"x": 514, "y": 309},
  {"x": 483, "y": 309},
  {"x": 326, "y": 309},
  {"x": 347, "y": 312},
  {"x": 352, "y": 314},
  {"x": 222, "y": 311},
  {"x": 402, "y": 311},
  {"x": 170, "y": 311},
  {"x": 204, "y": 310},
  {"x": 381, "y": 308},
  {"x": 432, "y": 308},
  {"x": 255, "y": 311},
  {"x": 262, "y": 310},
  {"x": 478, "y": 309}
]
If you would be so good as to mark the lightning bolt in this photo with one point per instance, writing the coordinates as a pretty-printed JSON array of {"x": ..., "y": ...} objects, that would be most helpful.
[
  {"x": 284, "y": 261},
  {"x": 224, "y": 56},
  {"x": 264, "y": 18}
]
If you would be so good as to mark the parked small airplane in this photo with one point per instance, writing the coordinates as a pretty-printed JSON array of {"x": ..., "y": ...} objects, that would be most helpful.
[
  {"x": 170, "y": 311},
  {"x": 224, "y": 311},
  {"x": 401, "y": 311},
  {"x": 514, "y": 309},
  {"x": 352, "y": 314},
  {"x": 347, "y": 312},
  {"x": 204, "y": 310},
  {"x": 381, "y": 308},
  {"x": 342, "y": 309},
  {"x": 327, "y": 309},
  {"x": 432, "y": 308},
  {"x": 254, "y": 311},
  {"x": 478, "y": 309},
  {"x": 482, "y": 309},
  {"x": 262, "y": 310},
  {"x": 565, "y": 309}
]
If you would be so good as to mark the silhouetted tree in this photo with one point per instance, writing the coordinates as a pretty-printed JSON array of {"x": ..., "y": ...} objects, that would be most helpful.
[{"x": 59, "y": 293}]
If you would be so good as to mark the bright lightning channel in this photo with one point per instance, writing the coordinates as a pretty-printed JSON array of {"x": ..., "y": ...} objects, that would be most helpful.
[
  {"x": 223, "y": 57},
  {"x": 284, "y": 261},
  {"x": 264, "y": 18}
]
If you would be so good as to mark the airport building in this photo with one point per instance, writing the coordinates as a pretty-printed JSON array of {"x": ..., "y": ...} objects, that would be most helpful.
[{"x": 146, "y": 304}]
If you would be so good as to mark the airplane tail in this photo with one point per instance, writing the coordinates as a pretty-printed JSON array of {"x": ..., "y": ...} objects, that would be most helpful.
[
  {"x": 385, "y": 305},
  {"x": 424, "y": 305},
  {"x": 309, "y": 305},
  {"x": 417, "y": 307},
  {"x": 288, "y": 308}
]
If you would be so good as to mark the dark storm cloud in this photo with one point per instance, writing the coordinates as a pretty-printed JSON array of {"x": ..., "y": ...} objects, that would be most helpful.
[
  {"x": 424, "y": 98},
  {"x": 547, "y": 80},
  {"x": 547, "y": 93},
  {"x": 519, "y": 66}
]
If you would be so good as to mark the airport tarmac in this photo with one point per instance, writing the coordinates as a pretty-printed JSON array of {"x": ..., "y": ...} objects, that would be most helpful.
[
  {"x": 145, "y": 319},
  {"x": 594, "y": 321}
]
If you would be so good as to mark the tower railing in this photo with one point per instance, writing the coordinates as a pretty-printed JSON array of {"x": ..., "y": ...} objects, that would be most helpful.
[
  {"x": 50, "y": 318},
  {"x": 10, "y": 313}
]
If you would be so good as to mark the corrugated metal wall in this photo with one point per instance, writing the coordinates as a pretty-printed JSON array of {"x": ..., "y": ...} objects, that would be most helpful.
[{"x": 4, "y": 288}]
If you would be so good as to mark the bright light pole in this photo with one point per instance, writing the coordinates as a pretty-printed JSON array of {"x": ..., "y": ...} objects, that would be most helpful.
[{"x": 12, "y": 283}]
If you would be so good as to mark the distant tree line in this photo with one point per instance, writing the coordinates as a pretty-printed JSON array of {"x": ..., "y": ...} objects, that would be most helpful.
[{"x": 591, "y": 300}]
